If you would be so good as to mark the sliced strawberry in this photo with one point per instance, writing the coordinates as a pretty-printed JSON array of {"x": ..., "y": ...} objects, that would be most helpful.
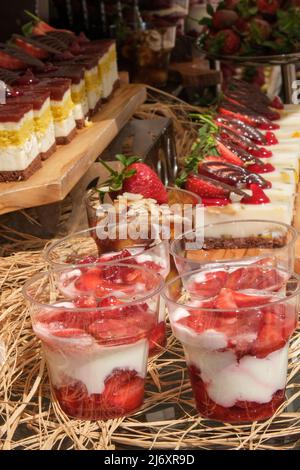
[
  {"x": 89, "y": 281},
  {"x": 225, "y": 300},
  {"x": 157, "y": 338},
  {"x": 31, "y": 49},
  {"x": 256, "y": 278},
  {"x": 211, "y": 284},
  {"x": 228, "y": 155},
  {"x": 11, "y": 63},
  {"x": 205, "y": 187},
  {"x": 110, "y": 301},
  {"x": 246, "y": 300},
  {"x": 124, "y": 391},
  {"x": 269, "y": 339},
  {"x": 72, "y": 397},
  {"x": 69, "y": 333},
  {"x": 277, "y": 103},
  {"x": 85, "y": 301}
]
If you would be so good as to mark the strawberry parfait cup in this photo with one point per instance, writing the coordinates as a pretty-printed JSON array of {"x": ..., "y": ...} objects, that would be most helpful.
[
  {"x": 87, "y": 246},
  {"x": 234, "y": 323},
  {"x": 253, "y": 241},
  {"x": 96, "y": 344}
]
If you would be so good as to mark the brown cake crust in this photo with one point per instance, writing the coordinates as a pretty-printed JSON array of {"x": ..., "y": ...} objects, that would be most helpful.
[
  {"x": 9, "y": 176},
  {"x": 50, "y": 151},
  {"x": 66, "y": 139},
  {"x": 80, "y": 123},
  {"x": 247, "y": 242}
]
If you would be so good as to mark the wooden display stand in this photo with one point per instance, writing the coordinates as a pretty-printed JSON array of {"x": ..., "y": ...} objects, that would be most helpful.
[{"x": 58, "y": 175}]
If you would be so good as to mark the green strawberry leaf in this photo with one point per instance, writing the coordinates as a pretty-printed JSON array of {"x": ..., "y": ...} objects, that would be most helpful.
[
  {"x": 27, "y": 28},
  {"x": 181, "y": 179},
  {"x": 126, "y": 161},
  {"x": 205, "y": 21},
  {"x": 210, "y": 10}
]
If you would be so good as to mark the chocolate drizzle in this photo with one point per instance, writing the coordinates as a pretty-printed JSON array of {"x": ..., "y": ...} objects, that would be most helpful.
[{"x": 18, "y": 53}]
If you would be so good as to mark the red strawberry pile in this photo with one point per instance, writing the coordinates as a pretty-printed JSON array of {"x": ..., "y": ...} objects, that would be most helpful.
[
  {"x": 251, "y": 27},
  {"x": 233, "y": 294},
  {"x": 123, "y": 393}
]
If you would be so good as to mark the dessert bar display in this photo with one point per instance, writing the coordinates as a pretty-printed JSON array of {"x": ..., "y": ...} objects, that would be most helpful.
[
  {"x": 239, "y": 165},
  {"x": 77, "y": 74}
]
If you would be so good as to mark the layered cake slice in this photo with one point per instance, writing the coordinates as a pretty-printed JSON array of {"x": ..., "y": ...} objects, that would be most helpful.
[
  {"x": 19, "y": 149},
  {"x": 43, "y": 120},
  {"x": 92, "y": 80},
  {"x": 107, "y": 65},
  {"x": 75, "y": 73},
  {"x": 61, "y": 107}
]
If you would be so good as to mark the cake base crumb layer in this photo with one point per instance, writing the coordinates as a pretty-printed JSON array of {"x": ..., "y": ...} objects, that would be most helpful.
[
  {"x": 50, "y": 151},
  {"x": 8, "y": 176},
  {"x": 80, "y": 123},
  {"x": 247, "y": 242},
  {"x": 66, "y": 139}
]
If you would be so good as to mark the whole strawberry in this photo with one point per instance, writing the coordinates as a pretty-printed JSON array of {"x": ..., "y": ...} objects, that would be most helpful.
[
  {"x": 268, "y": 7},
  {"x": 230, "y": 41},
  {"x": 224, "y": 19},
  {"x": 137, "y": 178}
]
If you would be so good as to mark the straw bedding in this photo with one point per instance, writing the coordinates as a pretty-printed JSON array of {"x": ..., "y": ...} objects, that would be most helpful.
[{"x": 29, "y": 420}]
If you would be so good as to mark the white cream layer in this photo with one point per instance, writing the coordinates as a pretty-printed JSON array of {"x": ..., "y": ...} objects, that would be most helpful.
[
  {"x": 63, "y": 128},
  {"x": 229, "y": 380},
  {"x": 92, "y": 367},
  {"x": 19, "y": 158},
  {"x": 48, "y": 139},
  {"x": 276, "y": 211}
]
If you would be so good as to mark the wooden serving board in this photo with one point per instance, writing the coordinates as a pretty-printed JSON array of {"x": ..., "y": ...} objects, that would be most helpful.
[{"x": 68, "y": 164}]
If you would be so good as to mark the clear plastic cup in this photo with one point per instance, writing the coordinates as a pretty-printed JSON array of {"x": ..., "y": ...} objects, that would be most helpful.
[
  {"x": 95, "y": 322},
  {"x": 86, "y": 247},
  {"x": 247, "y": 240},
  {"x": 234, "y": 322}
]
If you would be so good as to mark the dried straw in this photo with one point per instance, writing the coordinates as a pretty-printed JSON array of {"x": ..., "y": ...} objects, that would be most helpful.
[{"x": 167, "y": 420}]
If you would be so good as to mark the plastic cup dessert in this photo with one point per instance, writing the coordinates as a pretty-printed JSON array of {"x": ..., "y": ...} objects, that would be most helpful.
[
  {"x": 266, "y": 241},
  {"x": 86, "y": 247},
  {"x": 96, "y": 343},
  {"x": 235, "y": 322}
]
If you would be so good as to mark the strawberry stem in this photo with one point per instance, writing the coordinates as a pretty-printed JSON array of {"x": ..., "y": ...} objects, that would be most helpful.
[
  {"x": 111, "y": 171},
  {"x": 34, "y": 17}
]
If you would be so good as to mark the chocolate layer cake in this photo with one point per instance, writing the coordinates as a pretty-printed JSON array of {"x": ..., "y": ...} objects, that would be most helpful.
[{"x": 19, "y": 150}]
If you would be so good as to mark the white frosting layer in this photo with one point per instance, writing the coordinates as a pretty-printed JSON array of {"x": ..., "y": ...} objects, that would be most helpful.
[
  {"x": 94, "y": 366},
  {"x": 48, "y": 139},
  {"x": 63, "y": 128},
  {"x": 278, "y": 212},
  {"x": 78, "y": 112},
  {"x": 229, "y": 380},
  {"x": 19, "y": 158},
  {"x": 287, "y": 159},
  {"x": 93, "y": 98}
]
